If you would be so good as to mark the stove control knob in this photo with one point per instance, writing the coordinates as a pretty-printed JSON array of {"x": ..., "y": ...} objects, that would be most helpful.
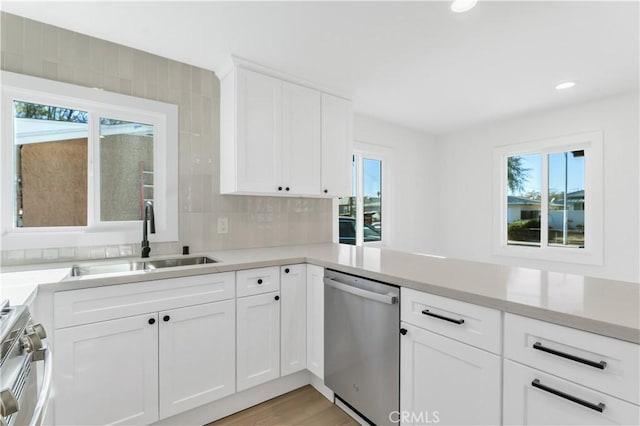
[
  {"x": 31, "y": 342},
  {"x": 38, "y": 329},
  {"x": 8, "y": 403}
]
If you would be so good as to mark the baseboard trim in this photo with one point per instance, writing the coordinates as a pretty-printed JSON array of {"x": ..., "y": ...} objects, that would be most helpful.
[
  {"x": 319, "y": 385},
  {"x": 239, "y": 401}
]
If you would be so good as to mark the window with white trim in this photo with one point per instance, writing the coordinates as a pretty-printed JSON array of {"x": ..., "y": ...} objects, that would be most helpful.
[
  {"x": 79, "y": 164},
  {"x": 550, "y": 199},
  {"x": 360, "y": 216}
]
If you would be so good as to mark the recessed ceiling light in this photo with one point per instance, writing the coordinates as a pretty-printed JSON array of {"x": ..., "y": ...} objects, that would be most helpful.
[
  {"x": 460, "y": 6},
  {"x": 565, "y": 85}
]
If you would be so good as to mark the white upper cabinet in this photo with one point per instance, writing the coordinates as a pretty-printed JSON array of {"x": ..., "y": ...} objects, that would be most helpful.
[
  {"x": 282, "y": 138},
  {"x": 255, "y": 165},
  {"x": 300, "y": 149},
  {"x": 337, "y": 146}
]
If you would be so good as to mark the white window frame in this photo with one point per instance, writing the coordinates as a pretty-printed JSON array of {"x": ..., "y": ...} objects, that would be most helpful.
[
  {"x": 592, "y": 253},
  {"x": 98, "y": 103},
  {"x": 384, "y": 206}
]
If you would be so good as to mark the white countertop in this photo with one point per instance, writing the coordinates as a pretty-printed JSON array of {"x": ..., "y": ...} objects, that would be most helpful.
[
  {"x": 22, "y": 287},
  {"x": 607, "y": 307}
]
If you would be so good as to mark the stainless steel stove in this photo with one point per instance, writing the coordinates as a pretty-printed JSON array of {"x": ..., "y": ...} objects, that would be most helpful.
[{"x": 22, "y": 401}]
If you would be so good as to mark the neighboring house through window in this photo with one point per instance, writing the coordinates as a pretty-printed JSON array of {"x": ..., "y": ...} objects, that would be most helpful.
[
  {"x": 79, "y": 164},
  {"x": 551, "y": 199}
]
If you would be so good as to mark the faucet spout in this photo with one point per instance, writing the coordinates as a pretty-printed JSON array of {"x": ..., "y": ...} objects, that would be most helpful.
[{"x": 149, "y": 216}]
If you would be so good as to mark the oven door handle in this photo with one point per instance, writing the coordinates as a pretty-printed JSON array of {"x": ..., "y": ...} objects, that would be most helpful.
[
  {"x": 43, "y": 398},
  {"x": 389, "y": 299}
]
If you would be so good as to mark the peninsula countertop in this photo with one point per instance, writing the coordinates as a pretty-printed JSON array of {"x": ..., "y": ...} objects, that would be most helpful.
[{"x": 597, "y": 305}]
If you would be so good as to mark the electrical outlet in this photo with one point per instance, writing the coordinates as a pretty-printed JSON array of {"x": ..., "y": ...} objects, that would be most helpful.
[{"x": 223, "y": 225}]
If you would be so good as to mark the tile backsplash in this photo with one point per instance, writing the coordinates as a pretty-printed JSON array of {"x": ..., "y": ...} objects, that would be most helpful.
[{"x": 41, "y": 50}]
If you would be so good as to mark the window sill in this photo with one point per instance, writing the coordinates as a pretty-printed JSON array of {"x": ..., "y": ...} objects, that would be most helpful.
[
  {"x": 42, "y": 239},
  {"x": 552, "y": 254}
]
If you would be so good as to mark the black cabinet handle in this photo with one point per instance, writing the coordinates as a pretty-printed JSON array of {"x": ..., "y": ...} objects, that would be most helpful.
[
  {"x": 431, "y": 314},
  {"x": 277, "y": 297},
  {"x": 152, "y": 321},
  {"x": 287, "y": 188},
  {"x": 260, "y": 281},
  {"x": 286, "y": 271},
  {"x": 166, "y": 318},
  {"x": 279, "y": 188},
  {"x": 597, "y": 407},
  {"x": 326, "y": 191},
  {"x": 403, "y": 331},
  {"x": 601, "y": 365}
]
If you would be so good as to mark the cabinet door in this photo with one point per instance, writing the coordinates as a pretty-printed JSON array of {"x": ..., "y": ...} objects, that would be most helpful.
[
  {"x": 525, "y": 404},
  {"x": 447, "y": 382},
  {"x": 293, "y": 312},
  {"x": 337, "y": 146},
  {"x": 300, "y": 152},
  {"x": 107, "y": 372},
  {"x": 258, "y": 339},
  {"x": 259, "y": 133},
  {"x": 197, "y": 355},
  {"x": 315, "y": 320}
]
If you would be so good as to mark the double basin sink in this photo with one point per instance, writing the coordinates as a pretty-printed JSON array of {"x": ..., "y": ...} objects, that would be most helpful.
[{"x": 137, "y": 265}]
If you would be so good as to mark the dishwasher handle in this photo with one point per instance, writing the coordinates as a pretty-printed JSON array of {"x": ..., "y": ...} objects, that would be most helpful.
[{"x": 389, "y": 299}]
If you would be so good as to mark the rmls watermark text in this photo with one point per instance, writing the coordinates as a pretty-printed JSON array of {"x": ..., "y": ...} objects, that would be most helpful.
[{"x": 411, "y": 417}]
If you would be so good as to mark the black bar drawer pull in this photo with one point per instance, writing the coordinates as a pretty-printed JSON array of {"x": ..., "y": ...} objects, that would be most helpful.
[
  {"x": 431, "y": 314},
  {"x": 597, "y": 407},
  {"x": 601, "y": 365}
]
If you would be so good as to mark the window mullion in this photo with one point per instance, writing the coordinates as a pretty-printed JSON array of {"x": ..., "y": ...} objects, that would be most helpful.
[
  {"x": 93, "y": 171},
  {"x": 544, "y": 202},
  {"x": 359, "y": 201}
]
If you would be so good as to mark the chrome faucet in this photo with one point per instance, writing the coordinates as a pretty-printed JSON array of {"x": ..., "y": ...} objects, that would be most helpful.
[{"x": 148, "y": 216}]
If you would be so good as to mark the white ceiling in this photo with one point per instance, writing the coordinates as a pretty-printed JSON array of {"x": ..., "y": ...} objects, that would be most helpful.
[{"x": 413, "y": 63}]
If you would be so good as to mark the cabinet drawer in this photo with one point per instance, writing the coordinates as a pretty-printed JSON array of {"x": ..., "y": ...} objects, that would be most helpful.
[
  {"x": 258, "y": 281},
  {"x": 608, "y": 365},
  {"x": 475, "y": 325},
  {"x": 532, "y": 397},
  {"x": 89, "y": 305},
  {"x": 438, "y": 375}
]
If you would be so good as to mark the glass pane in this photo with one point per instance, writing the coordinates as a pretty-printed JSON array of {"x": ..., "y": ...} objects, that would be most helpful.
[
  {"x": 372, "y": 197},
  {"x": 566, "y": 212},
  {"x": 524, "y": 184},
  {"x": 51, "y": 165},
  {"x": 347, "y": 210},
  {"x": 126, "y": 169}
]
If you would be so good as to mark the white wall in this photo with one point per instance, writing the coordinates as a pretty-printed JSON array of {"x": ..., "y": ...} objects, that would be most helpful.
[
  {"x": 409, "y": 182},
  {"x": 466, "y": 204}
]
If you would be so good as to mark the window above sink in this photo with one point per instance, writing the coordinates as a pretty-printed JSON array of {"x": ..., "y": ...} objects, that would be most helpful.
[{"x": 78, "y": 164}]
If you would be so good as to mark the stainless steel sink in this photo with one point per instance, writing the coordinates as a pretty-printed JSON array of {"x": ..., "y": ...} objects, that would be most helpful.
[
  {"x": 137, "y": 265},
  {"x": 179, "y": 261}
]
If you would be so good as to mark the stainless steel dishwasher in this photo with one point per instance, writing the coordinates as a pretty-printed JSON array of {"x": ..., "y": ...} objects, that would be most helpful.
[{"x": 362, "y": 344}]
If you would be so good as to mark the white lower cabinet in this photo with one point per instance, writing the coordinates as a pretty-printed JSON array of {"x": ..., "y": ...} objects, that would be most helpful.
[
  {"x": 197, "y": 356},
  {"x": 293, "y": 319},
  {"x": 447, "y": 382},
  {"x": 315, "y": 320},
  {"x": 532, "y": 397},
  {"x": 258, "y": 339},
  {"x": 107, "y": 372},
  {"x": 144, "y": 368}
]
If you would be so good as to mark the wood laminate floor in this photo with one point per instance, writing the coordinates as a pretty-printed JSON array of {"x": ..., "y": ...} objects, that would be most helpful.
[{"x": 301, "y": 407}]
